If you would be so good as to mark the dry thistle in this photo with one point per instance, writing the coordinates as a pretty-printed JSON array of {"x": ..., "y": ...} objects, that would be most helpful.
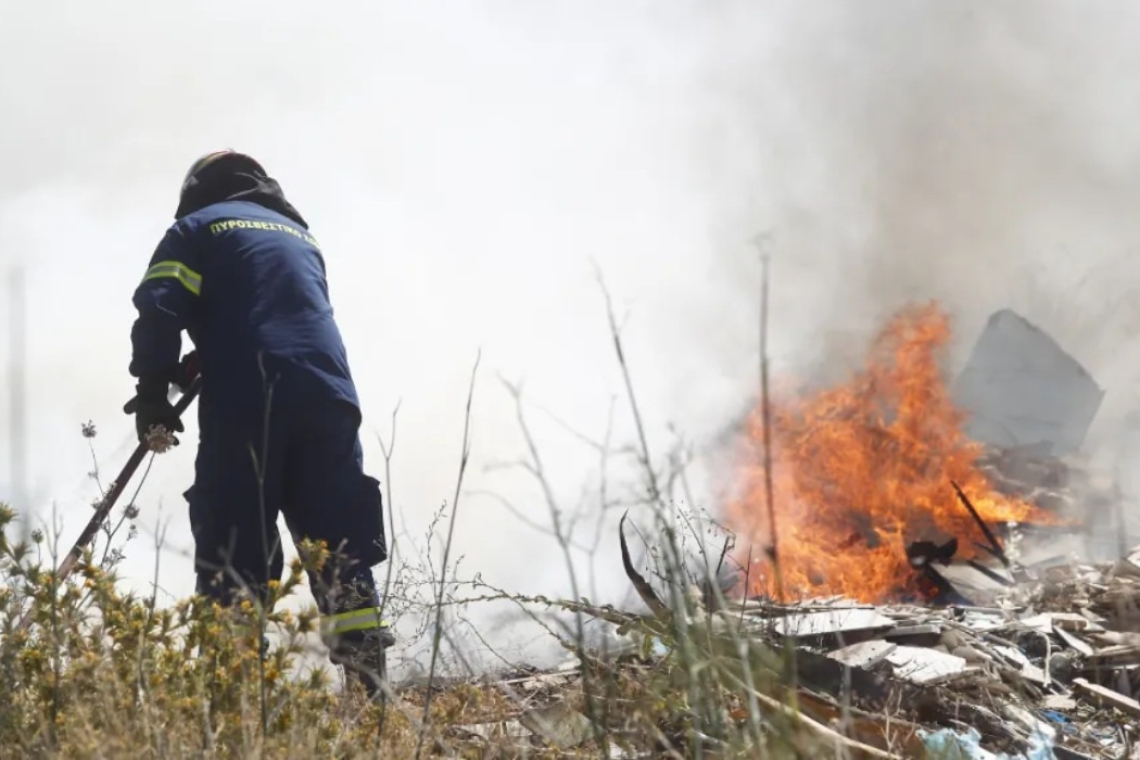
[
  {"x": 159, "y": 439},
  {"x": 88, "y": 429}
]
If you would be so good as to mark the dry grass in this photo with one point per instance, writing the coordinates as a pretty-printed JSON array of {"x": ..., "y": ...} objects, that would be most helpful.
[
  {"x": 102, "y": 673},
  {"x": 105, "y": 673}
]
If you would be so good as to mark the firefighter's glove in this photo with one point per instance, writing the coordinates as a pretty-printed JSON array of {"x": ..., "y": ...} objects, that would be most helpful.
[{"x": 151, "y": 410}]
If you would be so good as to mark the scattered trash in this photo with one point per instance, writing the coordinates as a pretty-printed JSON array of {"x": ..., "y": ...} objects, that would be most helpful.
[
  {"x": 1050, "y": 669},
  {"x": 947, "y": 744},
  {"x": 562, "y": 726},
  {"x": 1047, "y": 669}
]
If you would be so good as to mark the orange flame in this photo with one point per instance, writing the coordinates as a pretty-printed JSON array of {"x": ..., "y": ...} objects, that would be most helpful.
[{"x": 862, "y": 469}]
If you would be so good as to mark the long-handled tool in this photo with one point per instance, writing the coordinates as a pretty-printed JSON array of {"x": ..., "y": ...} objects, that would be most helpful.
[{"x": 104, "y": 507}]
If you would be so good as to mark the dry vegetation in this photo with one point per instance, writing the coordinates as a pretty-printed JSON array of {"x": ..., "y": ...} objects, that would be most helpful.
[{"x": 105, "y": 673}]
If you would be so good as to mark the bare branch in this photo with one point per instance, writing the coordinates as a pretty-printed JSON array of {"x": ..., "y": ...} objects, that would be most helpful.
[{"x": 463, "y": 459}]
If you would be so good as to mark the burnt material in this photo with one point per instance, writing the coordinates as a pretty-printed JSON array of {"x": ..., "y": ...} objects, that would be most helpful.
[
  {"x": 995, "y": 547},
  {"x": 922, "y": 553}
]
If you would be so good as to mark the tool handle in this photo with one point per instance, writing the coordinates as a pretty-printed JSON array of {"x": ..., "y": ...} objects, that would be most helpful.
[{"x": 108, "y": 502}]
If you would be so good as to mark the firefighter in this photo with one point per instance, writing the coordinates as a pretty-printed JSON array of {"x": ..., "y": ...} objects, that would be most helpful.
[{"x": 240, "y": 272}]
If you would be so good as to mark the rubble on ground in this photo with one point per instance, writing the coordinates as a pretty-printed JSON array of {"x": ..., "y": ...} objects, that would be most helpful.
[
  {"x": 1053, "y": 660},
  {"x": 1048, "y": 667},
  {"x": 1008, "y": 660}
]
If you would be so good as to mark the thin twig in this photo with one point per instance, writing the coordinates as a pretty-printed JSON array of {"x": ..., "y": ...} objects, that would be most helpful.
[
  {"x": 128, "y": 509},
  {"x": 152, "y": 605},
  {"x": 536, "y": 468},
  {"x": 773, "y": 549},
  {"x": 261, "y": 597},
  {"x": 644, "y": 456},
  {"x": 506, "y": 504},
  {"x": 766, "y": 421},
  {"x": 388, "y": 450},
  {"x": 436, "y": 636}
]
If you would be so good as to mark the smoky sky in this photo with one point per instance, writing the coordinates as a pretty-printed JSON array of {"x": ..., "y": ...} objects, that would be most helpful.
[{"x": 465, "y": 165}]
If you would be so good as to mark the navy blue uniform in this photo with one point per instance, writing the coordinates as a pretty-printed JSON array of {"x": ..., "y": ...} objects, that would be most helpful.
[{"x": 278, "y": 411}]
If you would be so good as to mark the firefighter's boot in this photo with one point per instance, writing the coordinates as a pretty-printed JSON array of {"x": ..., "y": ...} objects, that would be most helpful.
[{"x": 363, "y": 654}]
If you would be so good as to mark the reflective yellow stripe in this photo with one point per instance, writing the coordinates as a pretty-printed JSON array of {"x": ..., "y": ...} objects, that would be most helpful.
[
  {"x": 357, "y": 620},
  {"x": 190, "y": 279}
]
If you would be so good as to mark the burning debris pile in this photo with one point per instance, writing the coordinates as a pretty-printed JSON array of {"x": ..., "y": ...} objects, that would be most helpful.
[
  {"x": 896, "y": 465},
  {"x": 910, "y": 584},
  {"x": 894, "y": 489}
]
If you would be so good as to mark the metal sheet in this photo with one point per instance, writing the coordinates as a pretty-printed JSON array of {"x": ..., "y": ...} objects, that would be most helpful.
[{"x": 1019, "y": 388}]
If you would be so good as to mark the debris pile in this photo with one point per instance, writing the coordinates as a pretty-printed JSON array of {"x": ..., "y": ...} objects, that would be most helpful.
[
  {"x": 1002, "y": 655},
  {"x": 1051, "y": 662},
  {"x": 1048, "y": 667},
  {"x": 983, "y": 650}
]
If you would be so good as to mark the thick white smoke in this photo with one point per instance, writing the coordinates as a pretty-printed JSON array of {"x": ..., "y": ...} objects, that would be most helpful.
[{"x": 464, "y": 165}]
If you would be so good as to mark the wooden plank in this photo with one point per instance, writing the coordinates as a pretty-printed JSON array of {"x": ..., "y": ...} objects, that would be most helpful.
[
  {"x": 1106, "y": 696},
  {"x": 831, "y": 622},
  {"x": 926, "y": 666},
  {"x": 919, "y": 629},
  {"x": 1075, "y": 642},
  {"x": 864, "y": 654}
]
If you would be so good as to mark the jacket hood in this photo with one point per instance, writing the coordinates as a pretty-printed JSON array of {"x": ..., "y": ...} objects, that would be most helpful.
[{"x": 232, "y": 176}]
